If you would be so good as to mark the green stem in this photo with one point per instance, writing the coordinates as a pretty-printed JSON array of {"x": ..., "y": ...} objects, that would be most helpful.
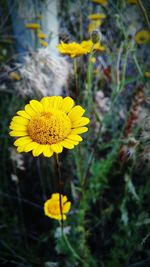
[
  {"x": 75, "y": 76},
  {"x": 144, "y": 13},
  {"x": 74, "y": 253},
  {"x": 59, "y": 187},
  {"x": 89, "y": 79}
]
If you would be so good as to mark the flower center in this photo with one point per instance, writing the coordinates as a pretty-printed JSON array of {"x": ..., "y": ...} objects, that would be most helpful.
[{"x": 49, "y": 128}]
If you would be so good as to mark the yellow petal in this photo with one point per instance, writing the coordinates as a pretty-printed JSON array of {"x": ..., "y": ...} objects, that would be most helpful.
[
  {"x": 72, "y": 142},
  {"x": 22, "y": 141},
  {"x": 36, "y": 105},
  {"x": 17, "y": 127},
  {"x": 66, "y": 144},
  {"x": 47, "y": 152},
  {"x": 30, "y": 110},
  {"x": 38, "y": 150},
  {"x": 24, "y": 114},
  {"x": 20, "y": 149},
  {"x": 66, "y": 207},
  {"x": 79, "y": 130},
  {"x": 67, "y": 104},
  {"x": 20, "y": 120},
  {"x": 58, "y": 102},
  {"x": 76, "y": 113},
  {"x": 57, "y": 148},
  {"x": 75, "y": 137},
  {"x": 81, "y": 122},
  {"x": 18, "y": 133},
  {"x": 45, "y": 103},
  {"x": 30, "y": 146},
  {"x": 55, "y": 196},
  {"x": 51, "y": 101}
]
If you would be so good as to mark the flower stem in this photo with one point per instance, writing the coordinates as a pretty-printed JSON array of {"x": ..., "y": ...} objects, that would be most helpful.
[
  {"x": 89, "y": 80},
  {"x": 74, "y": 253},
  {"x": 75, "y": 76},
  {"x": 59, "y": 189}
]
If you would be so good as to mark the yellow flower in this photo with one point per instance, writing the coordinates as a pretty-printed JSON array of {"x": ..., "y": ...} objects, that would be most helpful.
[
  {"x": 14, "y": 76},
  {"x": 97, "y": 16},
  {"x": 94, "y": 25},
  {"x": 93, "y": 59},
  {"x": 132, "y": 2},
  {"x": 147, "y": 74},
  {"x": 89, "y": 45},
  {"x": 101, "y": 2},
  {"x": 71, "y": 49},
  {"x": 41, "y": 35},
  {"x": 49, "y": 125},
  {"x": 43, "y": 43},
  {"x": 142, "y": 37},
  {"x": 32, "y": 26},
  {"x": 52, "y": 207}
]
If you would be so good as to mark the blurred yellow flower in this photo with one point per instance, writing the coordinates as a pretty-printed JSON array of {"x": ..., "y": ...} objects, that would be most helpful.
[
  {"x": 142, "y": 37},
  {"x": 89, "y": 46},
  {"x": 41, "y": 35},
  {"x": 52, "y": 207},
  {"x": 147, "y": 74},
  {"x": 94, "y": 25},
  {"x": 32, "y": 26},
  {"x": 97, "y": 16},
  {"x": 101, "y": 2},
  {"x": 43, "y": 43},
  {"x": 14, "y": 76},
  {"x": 71, "y": 49},
  {"x": 93, "y": 59},
  {"x": 48, "y": 126},
  {"x": 132, "y": 2}
]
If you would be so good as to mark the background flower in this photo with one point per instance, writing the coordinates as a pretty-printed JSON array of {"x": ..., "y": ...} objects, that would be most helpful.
[{"x": 52, "y": 207}]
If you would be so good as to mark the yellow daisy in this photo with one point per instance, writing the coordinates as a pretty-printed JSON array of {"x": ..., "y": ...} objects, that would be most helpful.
[
  {"x": 41, "y": 35},
  {"x": 142, "y": 37},
  {"x": 43, "y": 43},
  {"x": 147, "y": 74},
  {"x": 94, "y": 25},
  {"x": 71, "y": 49},
  {"x": 32, "y": 26},
  {"x": 52, "y": 207},
  {"x": 48, "y": 125},
  {"x": 89, "y": 45},
  {"x": 101, "y": 2},
  {"x": 97, "y": 16}
]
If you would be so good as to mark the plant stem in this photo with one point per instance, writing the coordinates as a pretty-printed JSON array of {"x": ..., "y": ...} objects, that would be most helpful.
[
  {"x": 59, "y": 188},
  {"x": 75, "y": 76}
]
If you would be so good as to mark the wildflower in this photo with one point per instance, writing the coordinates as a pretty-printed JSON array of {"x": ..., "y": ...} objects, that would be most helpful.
[
  {"x": 32, "y": 26},
  {"x": 101, "y": 2},
  {"x": 44, "y": 43},
  {"x": 93, "y": 59},
  {"x": 48, "y": 125},
  {"x": 14, "y": 76},
  {"x": 41, "y": 35},
  {"x": 52, "y": 207},
  {"x": 89, "y": 46},
  {"x": 147, "y": 74},
  {"x": 142, "y": 37},
  {"x": 94, "y": 25},
  {"x": 96, "y": 16},
  {"x": 132, "y": 2},
  {"x": 72, "y": 49}
]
